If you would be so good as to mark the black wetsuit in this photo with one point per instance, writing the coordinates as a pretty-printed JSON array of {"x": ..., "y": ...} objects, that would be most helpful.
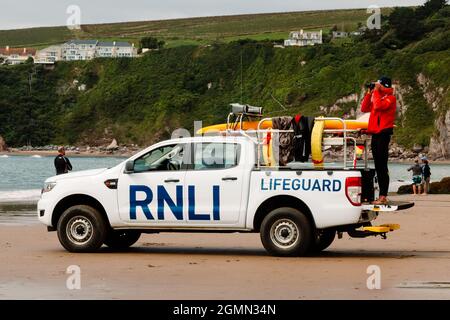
[
  {"x": 380, "y": 152},
  {"x": 62, "y": 164}
]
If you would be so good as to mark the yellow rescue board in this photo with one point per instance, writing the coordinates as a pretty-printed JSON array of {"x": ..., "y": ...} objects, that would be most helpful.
[
  {"x": 247, "y": 125},
  {"x": 383, "y": 228},
  {"x": 253, "y": 125}
]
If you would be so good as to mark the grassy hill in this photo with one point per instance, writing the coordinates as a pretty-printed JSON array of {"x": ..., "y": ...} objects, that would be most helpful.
[
  {"x": 143, "y": 100},
  {"x": 194, "y": 30}
]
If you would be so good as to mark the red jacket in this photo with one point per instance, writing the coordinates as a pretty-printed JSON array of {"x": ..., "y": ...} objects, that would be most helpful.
[{"x": 382, "y": 107}]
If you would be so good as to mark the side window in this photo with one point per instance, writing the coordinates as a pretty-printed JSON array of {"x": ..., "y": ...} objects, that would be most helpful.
[
  {"x": 210, "y": 156},
  {"x": 161, "y": 159}
]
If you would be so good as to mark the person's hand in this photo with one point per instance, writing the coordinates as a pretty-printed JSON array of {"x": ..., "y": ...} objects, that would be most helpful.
[{"x": 377, "y": 86}]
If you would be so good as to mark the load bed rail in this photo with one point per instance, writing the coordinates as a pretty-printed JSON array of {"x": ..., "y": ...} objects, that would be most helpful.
[{"x": 342, "y": 137}]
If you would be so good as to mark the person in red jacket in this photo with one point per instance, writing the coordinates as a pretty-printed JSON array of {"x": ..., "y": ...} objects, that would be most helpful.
[{"x": 382, "y": 105}]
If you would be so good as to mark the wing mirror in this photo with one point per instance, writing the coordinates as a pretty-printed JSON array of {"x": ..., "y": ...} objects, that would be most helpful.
[{"x": 129, "y": 167}]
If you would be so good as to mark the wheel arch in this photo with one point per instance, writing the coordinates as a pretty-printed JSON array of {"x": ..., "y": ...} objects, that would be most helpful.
[
  {"x": 77, "y": 199},
  {"x": 278, "y": 202}
]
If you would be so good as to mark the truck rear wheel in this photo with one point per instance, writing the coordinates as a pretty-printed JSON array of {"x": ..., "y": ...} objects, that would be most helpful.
[
  {"x": 322, "y": 240},
  {"x": 286, "y": 232},
  {"x": 81, "y": 229},
  {"x": 122, "y": 239}
]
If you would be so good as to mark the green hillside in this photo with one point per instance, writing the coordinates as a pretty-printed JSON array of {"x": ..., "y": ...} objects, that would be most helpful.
[
  {"x": 193, "y": 30},
  {"x": 143, "y": 100}
]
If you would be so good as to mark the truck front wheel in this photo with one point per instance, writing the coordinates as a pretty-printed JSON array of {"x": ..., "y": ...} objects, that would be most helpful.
[
  {"x": 81, "y": 229},
  {"x": 286, "y": 232},
  {"x": 122, "y": 239}
]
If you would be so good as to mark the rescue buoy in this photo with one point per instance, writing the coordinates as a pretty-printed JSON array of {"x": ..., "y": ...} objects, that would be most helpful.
[
  {"x": 316, "y": 143},
  {"x": 267, "y": 150}
]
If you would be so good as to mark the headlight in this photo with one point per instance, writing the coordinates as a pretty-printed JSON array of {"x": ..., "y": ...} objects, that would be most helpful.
[{"x": 48, "y": 186}]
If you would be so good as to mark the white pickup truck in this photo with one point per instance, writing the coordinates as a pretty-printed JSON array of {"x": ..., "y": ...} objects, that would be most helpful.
[{"x": 206, "y": 184}]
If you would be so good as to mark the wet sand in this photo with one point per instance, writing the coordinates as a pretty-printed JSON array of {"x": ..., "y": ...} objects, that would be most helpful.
[{"x": 235, "y": 266}]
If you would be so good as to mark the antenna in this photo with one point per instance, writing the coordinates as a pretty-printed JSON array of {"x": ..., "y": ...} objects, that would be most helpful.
[
  {"x": 281, "y": 105},
  {"x": 242, "y": 76}
]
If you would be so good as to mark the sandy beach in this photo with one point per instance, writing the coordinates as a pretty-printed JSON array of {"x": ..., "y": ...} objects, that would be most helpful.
[{"x": 235, "y": 266}]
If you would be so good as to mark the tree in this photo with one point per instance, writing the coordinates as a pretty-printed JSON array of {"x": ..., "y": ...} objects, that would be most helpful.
[
  {"x": 151, "y": 43},
  {"x": 404, "y": 22},
  {"x": 429, "y": 8}
]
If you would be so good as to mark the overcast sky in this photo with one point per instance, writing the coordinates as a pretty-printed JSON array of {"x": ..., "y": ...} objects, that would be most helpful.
[{"x": 36, "y": 13}]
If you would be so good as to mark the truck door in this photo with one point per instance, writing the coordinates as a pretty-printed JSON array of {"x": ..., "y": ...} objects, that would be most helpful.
[
  {"x": 214, "y": 184},
  {"x": 153, "y": 192}
]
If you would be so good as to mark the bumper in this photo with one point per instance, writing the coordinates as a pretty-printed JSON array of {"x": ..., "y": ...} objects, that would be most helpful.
[{"x": 44, "y": 211}]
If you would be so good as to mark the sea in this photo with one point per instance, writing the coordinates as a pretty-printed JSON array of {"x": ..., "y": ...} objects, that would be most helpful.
[{"x": 22, "y": 177}]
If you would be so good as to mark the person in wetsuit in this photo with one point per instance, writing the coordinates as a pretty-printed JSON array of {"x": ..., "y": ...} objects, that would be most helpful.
[{"x": 62, "y": 163}]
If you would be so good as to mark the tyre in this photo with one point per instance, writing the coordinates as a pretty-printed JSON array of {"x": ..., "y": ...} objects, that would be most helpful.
[
  {"x": 286, "y": 232},
  {"x": 82, "y": 229},
  {"x": 122, "y": 239},
  {"x": 322, "y": 240}
]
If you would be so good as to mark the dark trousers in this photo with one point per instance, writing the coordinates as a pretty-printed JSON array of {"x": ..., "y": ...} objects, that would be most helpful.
[{"x": 380, "y": 152}]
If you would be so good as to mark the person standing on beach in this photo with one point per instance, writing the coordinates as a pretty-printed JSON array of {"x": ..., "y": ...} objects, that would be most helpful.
[
  {"x": 62, "y": 163},
  {"x": 426, "y": 172},
  {"x": 382, "y": 105},
  {"x": 417, "y": 177}
]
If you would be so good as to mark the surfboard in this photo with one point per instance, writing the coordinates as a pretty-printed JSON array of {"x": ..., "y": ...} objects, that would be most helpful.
[{"x": 253, "y": 125}]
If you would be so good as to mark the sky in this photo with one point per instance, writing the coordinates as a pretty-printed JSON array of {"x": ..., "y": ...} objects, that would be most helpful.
[{"x": 16, "y": 14}]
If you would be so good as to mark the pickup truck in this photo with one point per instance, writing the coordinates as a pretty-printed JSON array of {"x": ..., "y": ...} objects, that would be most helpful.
[{"x": 207, "y": 184}]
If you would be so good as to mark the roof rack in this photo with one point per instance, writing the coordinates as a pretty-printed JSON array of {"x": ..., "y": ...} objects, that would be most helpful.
[{"x": 241, "y": 112}]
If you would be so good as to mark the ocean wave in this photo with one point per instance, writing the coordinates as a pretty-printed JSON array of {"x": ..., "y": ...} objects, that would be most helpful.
[{"x": 18, "y": 196}]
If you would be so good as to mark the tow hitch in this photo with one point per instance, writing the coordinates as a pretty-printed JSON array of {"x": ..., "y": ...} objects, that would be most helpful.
[{"x": 369, "y": 231}]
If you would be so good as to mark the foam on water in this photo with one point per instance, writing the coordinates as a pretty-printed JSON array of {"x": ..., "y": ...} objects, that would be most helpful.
[{"x": 18, "y": 196}]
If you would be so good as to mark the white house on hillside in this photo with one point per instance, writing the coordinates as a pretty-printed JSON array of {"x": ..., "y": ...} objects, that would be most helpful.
[
  {"x": 115, "y": 49},
  {"x": 48, "y": 55},
  {"x": 85, "y": 50},
  {"x": 340, "y": 34},
  {"x": 304, "y": 38},
  {"x": 79, "y": 50}
]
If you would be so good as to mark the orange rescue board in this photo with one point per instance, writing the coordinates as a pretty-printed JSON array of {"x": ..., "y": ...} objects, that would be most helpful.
[{"x": 253, "y": 125}]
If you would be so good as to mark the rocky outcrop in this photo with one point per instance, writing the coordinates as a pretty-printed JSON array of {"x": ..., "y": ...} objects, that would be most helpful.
[
  {"x": 440, "y": 142},
  {"x": 401, "y": 92},
  {"x": 433, "y": 95},
  {"x": 112, "y": 146},
  {"x": 442, "y": 187}
]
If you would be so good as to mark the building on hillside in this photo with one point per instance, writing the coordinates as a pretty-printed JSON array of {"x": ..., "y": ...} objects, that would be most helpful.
[
  {"x": 90, "y": 49},
  {"x": 304, "y": 38},
  {"x": 48, "y": 55},
  {"x": 340, "y": 34},
  {"x": 16, "y": 55},
  {"x": 115, "y": 49},
  {"x": 79, "y": 50}
]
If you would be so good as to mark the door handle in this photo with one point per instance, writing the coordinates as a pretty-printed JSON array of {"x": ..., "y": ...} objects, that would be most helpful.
[
  {"x": 171, "y": 180},
  {"x": 229, "y": 179}
]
